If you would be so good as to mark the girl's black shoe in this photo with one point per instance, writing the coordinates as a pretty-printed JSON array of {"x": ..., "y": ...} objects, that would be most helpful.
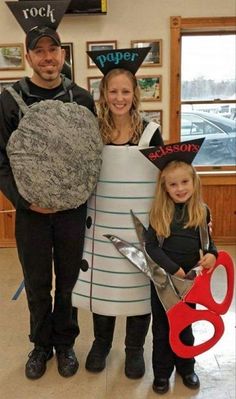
[
  {"x": 161, "y": 385},
  {"x": 191, "y": 381}
]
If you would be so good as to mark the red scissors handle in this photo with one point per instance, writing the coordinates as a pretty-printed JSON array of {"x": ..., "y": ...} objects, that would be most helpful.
[
  {"x": 201, "y": 290},
  {"x": 180, "y": 316}
]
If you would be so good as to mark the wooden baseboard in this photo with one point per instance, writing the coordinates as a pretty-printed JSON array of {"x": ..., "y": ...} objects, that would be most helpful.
[
  {"x": 11, "y": 243},
  {"x": 225, "y": 240}
]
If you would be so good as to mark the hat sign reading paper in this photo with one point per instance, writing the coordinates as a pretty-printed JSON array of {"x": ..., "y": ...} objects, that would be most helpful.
[
  {"x": 129, "y": 58},
  {"x": 184, "y": 151},
  {"x": 30, "y": 14}
]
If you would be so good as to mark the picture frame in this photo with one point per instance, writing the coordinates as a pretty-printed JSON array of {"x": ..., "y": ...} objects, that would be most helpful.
[
  {"x": 5, "y": 82},
  {"x": 99, "y": 45},
  {"x": 68, "y": 68},
  {"x": 150, "y": 87},
  {"x": 154, "y": 57},
  {"x": 155, "y": 115},
  {"x": 93, "y": 86},
  {"x": 12, "y": 57}
]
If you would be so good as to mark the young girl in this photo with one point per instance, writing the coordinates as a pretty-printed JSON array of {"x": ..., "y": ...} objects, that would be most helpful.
[{"x": 173, "y": 242}]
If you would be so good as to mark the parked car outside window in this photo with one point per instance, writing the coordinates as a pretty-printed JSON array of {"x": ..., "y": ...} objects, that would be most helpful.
[{"x": 219, "y": 147}]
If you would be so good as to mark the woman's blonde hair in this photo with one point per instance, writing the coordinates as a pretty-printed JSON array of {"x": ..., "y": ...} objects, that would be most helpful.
[
  {"x": 163, "y": 207},
  {"x": 105, "y": 119}
]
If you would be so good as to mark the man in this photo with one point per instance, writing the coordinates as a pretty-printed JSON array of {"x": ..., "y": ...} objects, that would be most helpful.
[{"x": 45, "y": 236}]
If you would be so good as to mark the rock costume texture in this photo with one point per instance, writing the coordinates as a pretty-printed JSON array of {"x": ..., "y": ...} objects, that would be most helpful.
[
  {"x": 112, "y": 286},
  {"x": 55, "y": 153}
]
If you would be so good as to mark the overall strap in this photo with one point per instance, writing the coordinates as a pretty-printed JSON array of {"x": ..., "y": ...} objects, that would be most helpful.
[
  {"x": 19, "y": 100},
  {"x": 148, "y": 133},
  {"x": 160, "y": 240},
  {"x": 66, "y": 83},
  {"x": 204, "y": 236}
]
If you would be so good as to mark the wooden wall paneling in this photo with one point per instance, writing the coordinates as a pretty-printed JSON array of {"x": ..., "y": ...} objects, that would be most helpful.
[
  {"x": 7, "y": 223},
  {"x": 221, "y": 199}
]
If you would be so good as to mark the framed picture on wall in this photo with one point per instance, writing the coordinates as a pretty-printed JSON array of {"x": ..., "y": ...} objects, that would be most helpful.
[
  {"x": 95, "y": 46},
  {"x": 7, "y": 82},
  {"x": 151, "y": 87},
  {"x": 12, "y": 56},
  {"x": 68, "y": 67},
  {"x": 153, "y": 115},
  {"x": 93, "y": 86},
  {"x": 154, "y": 57}
]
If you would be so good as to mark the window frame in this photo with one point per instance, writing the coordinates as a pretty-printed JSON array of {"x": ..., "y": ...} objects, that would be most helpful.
[{"x": 180, "y": 26}]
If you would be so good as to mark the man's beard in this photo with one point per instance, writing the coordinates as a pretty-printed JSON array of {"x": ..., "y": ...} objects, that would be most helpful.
[{"x": 49, "y": 75}]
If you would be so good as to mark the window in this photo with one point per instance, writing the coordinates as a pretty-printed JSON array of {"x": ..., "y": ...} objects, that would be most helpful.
[{"x": 203, "y": 88}]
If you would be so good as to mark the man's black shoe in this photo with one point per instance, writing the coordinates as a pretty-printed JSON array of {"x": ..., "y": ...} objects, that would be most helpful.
[
  {"x": 67, "y": 362},
  {"x": 36, "y": 365},
  {"x": 161, "y": 385},
  {"x": 191, "y": 381}
]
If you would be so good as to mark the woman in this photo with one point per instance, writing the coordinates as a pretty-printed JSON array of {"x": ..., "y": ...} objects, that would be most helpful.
[{"x": 113, "y": 286}]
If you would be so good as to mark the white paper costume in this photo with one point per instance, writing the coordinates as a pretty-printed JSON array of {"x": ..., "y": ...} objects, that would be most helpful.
[{"x": 112, "y": 286}]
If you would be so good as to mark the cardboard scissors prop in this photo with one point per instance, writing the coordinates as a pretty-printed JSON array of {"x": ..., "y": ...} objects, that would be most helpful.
[{"x": 175, "y": 293}]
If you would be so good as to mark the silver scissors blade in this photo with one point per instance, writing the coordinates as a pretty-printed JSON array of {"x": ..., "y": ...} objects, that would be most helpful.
[
  {"x": 132, "y": 253},
  {"x": 156, "y": 274},
  {"x": 180, "y": 286}
]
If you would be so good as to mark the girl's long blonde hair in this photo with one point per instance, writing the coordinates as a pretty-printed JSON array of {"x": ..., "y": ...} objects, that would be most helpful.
[
  {"x": 106, "y": 122},
  {"x": 163, "y": 207}
]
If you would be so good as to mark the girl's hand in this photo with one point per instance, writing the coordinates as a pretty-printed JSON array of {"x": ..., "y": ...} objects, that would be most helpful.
[
  {"x": 207, "y": 261},
  {"x": 180, "y": 273}
]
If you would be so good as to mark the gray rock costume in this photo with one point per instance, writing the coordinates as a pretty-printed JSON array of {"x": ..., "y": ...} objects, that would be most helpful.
[{"x": 55, "y": 153}]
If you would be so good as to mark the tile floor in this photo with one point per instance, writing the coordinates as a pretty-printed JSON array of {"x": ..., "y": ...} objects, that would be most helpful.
[{"x": 216, "y": 368}]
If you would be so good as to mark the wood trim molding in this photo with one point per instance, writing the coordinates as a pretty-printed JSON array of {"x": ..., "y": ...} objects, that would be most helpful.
[
  {"x": 175, "y": 80},
  {"x": 217, "y": 180},
  {"x": 227, "y": 23},
  {"x": 8, "y": 243}
]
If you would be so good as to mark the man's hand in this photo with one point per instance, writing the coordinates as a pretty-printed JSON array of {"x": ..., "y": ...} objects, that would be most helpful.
[{"x": 38, "y": 209}]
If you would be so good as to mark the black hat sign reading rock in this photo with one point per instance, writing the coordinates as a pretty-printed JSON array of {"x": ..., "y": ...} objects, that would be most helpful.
[
  {"x": 30, "y": 14},
  {"x": 38, "y": 19}
]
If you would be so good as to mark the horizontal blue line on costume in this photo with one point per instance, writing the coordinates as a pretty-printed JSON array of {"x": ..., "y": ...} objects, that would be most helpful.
[
  {"x": 115, "y": 286},
  {"x": 116, "y": 213},
  {"x": 113, "y": 227},
  {"x": 126, "y": 182},
  {"x": 112, "y": 272},
  {"x": 123, "y": 198},
  {"x": 109, "y": 300},
  {"x": 106, "y": 241},
  {"x": 103, "y": 256}
]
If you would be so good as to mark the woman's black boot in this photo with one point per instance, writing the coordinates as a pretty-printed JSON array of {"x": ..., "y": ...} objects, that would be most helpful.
[
  {"x": 103, "y": 332},
  {"x": 136, "y": 331}
]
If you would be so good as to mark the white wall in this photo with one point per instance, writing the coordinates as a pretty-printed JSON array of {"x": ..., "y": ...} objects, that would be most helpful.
[{"x": 126, "y": 20}]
